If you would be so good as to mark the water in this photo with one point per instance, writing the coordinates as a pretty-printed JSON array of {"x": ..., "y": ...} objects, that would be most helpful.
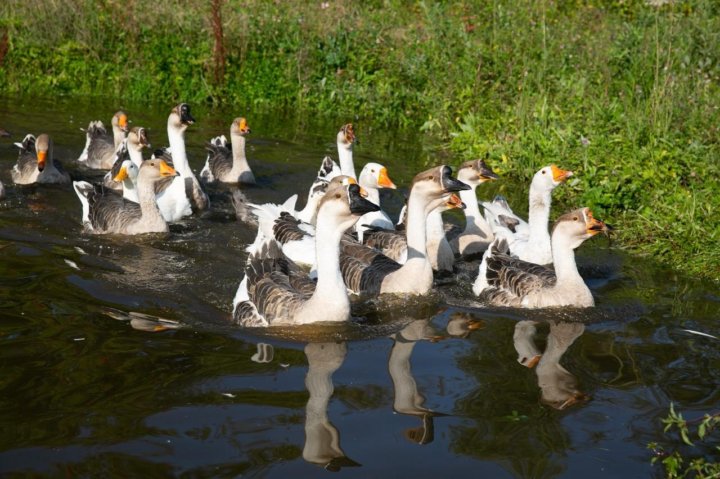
[{"x": 95, "y": 384}]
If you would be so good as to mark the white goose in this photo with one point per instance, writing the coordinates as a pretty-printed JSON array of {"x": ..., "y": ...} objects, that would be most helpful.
[
  {"x": 373, "y": 177},
  {"x": 178, "y": 197},
  {"x": 367, "y": 271},
  {"x": 100, "y": 146},
  {"x": 35, "y": 162},
  {"x": 512, "y": 282},
  {"x": 529, "y": 241},
  {"x": 130, "y": 149},
  {"x": 477, "y": 234},
  {"x": 226, "y": 162},
  {"x": 345, "y": 140},
  {"x": 104, "y": 211},
  {"x": 276, "y": 292}
]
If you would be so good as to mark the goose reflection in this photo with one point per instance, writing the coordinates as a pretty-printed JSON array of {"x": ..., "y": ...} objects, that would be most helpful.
[
  {"x": 408, "y": 399},
  {"x": 322, "y": 439},
  {"x": 558, "y": 387}
]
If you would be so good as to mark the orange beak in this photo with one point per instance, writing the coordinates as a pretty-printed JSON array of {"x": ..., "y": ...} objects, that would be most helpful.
[
  {"x": 167, "y": 170},
  {"x": 384, "y": 180},
  {"x": 363, "y": 192},
  {"x": 123, "y": 122},
  {"x": 594, "y": 226},
  {"x": 560, "y": 175},
  {"x": 244, "y": 127},
  {"x": 454, "y": 202},
  {"x": 532, "y": 362},
  {"x": 122, "y": 174},
  {"x": 41, "y": 157}
]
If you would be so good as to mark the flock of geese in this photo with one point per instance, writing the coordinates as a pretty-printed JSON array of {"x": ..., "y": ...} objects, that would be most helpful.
[{"x": 305, "y": 262}]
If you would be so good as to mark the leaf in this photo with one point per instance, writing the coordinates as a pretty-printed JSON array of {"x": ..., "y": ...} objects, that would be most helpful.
[{"x": 684, "y": 436}]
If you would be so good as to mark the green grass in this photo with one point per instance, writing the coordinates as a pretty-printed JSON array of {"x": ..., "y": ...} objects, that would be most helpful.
[{"x": 623, "y": 92}]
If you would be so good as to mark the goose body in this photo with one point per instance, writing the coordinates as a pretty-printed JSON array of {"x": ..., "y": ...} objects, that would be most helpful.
[
  {"x": 100, "y": 146},
  {"x": 35, "y": 162},
  {"x": 226, "y": 161},
  {"x": 512, "y": 282},
  {"x": 368, "y": 271},
  {"x": 477, "y": 234},
  {"x": 276, "y": 292},
  {"x": 105, "y": 211}
]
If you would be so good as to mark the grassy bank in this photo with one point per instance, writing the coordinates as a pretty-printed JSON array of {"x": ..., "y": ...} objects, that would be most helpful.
[{"x": 624, "y": 92}]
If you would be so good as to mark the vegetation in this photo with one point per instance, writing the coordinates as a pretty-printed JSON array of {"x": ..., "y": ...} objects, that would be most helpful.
[
  {"x": 623, "y": 91},
  {"x": 675, "y": 464}
]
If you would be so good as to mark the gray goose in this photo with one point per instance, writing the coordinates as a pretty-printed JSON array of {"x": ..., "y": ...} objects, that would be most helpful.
[
  {"x": 108, "y": 212},
  {"x": 276, "y": 292},
  {"x": 512, "y": 282},
  {"x": 35, "y": 162},
  {"x": 100, "y": 146},
  {"x": 367, "y": 271},
  {"x": 226, "y": 162}
]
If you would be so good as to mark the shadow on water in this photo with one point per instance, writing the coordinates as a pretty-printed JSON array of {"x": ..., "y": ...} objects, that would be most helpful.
[{"x": 119, "y": 358}]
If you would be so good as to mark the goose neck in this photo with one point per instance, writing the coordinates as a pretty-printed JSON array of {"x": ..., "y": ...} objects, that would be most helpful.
[
  {"x": 238, "y": 150},
  {"x": 135, "y": 155},
  {"x": 177, "y": 148},
  {"x": 130, "y": 190},
  {"x": 118, "y": 136},
  {"x": 564, "y": 261},
  {"x": 416, "y": 227},
  {"x": 345, "y": 154},
  {"x": 330, "y": 284},
  {"x": 148, "y": 203},
  {"x": 435, "y": 225}
]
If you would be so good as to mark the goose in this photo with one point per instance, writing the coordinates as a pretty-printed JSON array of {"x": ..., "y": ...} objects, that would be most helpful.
[
  {"x": 328, "y": 170},
  {"x": 529, "y": 241},
  {"x": 322, "y": 439},
  {"x": 100, "y": 147},
  {"x": 477, "y": 234},
  {"x": 130, "y": 149},
  {"x": 512, "y": 282},
  {"x": 374, "y": 176},
  {"x": 226, "y": 162},
  {"x": 367, "y": 271},
  {"x": 276, "y": 292},
  {"x": 345, "y": 140},
  {"x": 178, "y": 197},
  {"x": 393, "y": 244},
  {"x": 104, "y": 211},
  {"x": 35, "y": 162},
  {"x": 127, "y": 176}
]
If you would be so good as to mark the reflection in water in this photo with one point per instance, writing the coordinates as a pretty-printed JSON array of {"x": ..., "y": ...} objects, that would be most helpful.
[
  {"x": 407, "y": 398},
  {"x": 264, "y": 354},
  {"x": 322, "y": 440},
  {"x": 558, "y": 387}
]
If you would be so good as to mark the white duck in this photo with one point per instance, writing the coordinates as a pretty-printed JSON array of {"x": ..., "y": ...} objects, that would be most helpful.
[
  {"x": 104, "y": 211},
  {"x": 366, "y": 270},
  {"x": 35, "y": 162},
  {"x": 512, "y": 282},
  {"x": 100, "y": 146},
  {"x": 277, "y": 292},
  {"x": 227, "y": 162}
]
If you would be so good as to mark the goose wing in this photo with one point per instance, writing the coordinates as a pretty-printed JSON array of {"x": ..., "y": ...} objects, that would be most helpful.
[
  {"x": 109, "y": 212},
  {"x": 219, "y": 158},
  {"x": 101, "y": 144},
  {"x": 391, "y": 243},
  {"x": 27, "y": 158},
  {"x": 512, "y": 279},
  {"x": 364, "y": 268}
]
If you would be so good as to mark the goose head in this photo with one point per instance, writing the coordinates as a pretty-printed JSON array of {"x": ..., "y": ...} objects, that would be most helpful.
[
  {"x": 475, "y": 172},
  {"x": 345, "y": 203},
  {"x": 435, "y": 185},
  {"x": 375, "y": 175},
  {"x": 120, "y": 120},
  {"x": 346, "y": 137},
  {"x": 180, "y": 117},
  {"x": 127, "y": 170},
  {"x": 137, "y": 138},
  {"x": 579, "y": 225},
  {"x": 43, "y": 150},
  {"x": 154, "y": 169},
  {"x": 239, "y": 127},
  {"x": 550, "y": 177}
]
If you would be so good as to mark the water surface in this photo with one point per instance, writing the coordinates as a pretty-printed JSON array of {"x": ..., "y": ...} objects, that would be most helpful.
[{"x": 118, "y": 357}]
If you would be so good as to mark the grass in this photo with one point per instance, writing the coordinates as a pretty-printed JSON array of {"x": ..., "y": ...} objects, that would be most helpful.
[{"x": 624, "y": 92}]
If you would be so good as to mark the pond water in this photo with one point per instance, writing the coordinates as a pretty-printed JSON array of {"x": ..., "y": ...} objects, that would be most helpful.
[{"x": 97, "y": 381}]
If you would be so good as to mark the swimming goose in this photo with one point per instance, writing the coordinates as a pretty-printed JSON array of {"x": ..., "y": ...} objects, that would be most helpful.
[
  {"x": 35, "y": 162},
  {"x": 104, "y": 211},
  {"x": 345, "y": 140},
  {"x": 226, "y": 162},
  {"x": 100, "y": 146},
  {"x": 366, "y": 270},
  {"x": 393, "y": 244},
  {"x": 322, "y": 439},
  {"x": 277, "y": 292},
  {"x": 373, "y": 177},
  {"x": 178, "y": 197},
  {"x": 477, "y": 234},
  {"x": 512, "y": 282},
  {"x": 529, "y": 241},
  {"x": 130, "y": 149}
]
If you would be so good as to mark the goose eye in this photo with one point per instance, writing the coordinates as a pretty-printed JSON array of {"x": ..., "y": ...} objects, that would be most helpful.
[
  {"x": 543, "y": 172},
  {"x": 372, "y": 171},
  {"x": 575, "y": 218},
  {"x": 431, "y": 178},
  {"x": 337, "y": 195}
]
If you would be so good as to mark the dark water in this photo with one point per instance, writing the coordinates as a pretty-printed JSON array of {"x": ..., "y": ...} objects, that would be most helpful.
[{"x": 95, "y": 383}]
